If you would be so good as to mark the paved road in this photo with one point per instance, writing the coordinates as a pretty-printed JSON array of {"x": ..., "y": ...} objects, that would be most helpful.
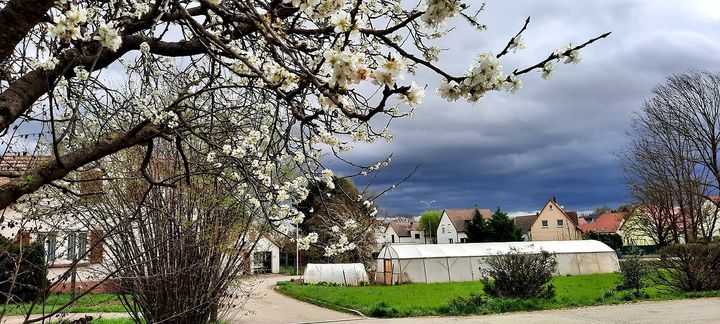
[
  {"x": 687, "y": 311},
  {"x": 267, "y": 306}
]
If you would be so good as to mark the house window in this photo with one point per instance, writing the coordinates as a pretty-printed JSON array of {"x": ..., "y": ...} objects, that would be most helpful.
[
  {"x": 560, "y": 223},
  {"x": 443, "y": 229},
  {"x": 451, "y": 241},
  {"x": 417, "y": 236},
  {"x": 463, "y": 240},
  {"x": 76, "y": 245},
  {"x": 50, "y": 246},
  {"x": 544, "y": 223},
  {"x": 392, "y": 238}
]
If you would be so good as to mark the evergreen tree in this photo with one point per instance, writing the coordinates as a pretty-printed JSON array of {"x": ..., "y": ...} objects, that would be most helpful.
[
  {"x": 502, "y": 228},
  {"x": 478, "y": 230}
]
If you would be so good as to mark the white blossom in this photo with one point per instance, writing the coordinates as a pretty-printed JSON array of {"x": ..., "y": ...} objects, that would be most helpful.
[
  {"x": 547, "y": 70},
  {"x": 108, "y": 37},
  {"x": 414, "y": 96},
  {"x": 81, "y": 73}
]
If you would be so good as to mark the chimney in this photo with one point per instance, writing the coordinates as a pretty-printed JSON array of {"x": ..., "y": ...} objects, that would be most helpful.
[{"x": 554, "y": 199}]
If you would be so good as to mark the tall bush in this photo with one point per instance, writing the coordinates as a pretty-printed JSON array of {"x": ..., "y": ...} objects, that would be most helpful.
[
  {"x": 23, "y": 273},
  {"x": 690, "y": 267},
  {"x": 633, "y": 272},
  {"x": 520, "y": 275}
]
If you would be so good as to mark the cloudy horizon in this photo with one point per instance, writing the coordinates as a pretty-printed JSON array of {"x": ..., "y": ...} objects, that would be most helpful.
[{"x": 554, "y": 138}]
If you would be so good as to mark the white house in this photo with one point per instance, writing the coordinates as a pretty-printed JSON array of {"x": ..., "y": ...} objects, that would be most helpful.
[
  {"x": 265, "y": 257},
  {"x": 453, "y": 223},
  {"x": 404, "y": 233}
]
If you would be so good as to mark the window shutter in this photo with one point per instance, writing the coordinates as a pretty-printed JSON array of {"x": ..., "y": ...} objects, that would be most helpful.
[{"x": 96, "y": 243}]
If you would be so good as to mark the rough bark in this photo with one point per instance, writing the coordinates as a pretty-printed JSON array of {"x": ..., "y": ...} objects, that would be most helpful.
[{"x": 17, "y": 18}]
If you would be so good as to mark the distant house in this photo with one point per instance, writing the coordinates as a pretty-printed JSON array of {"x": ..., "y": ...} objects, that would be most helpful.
[
  {"x": 607, "y": 223},
  {"x": 525, "y": 223},
  {"x": 553, "y": 223},
  {"x": 453, "y": 224},
  {"x": 404, "y": 232}
]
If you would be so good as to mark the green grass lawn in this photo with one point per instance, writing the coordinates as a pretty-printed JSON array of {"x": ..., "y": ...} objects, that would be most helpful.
[
  {"x": 89, "y": 303},
  {"x": 433, "y": 299}
]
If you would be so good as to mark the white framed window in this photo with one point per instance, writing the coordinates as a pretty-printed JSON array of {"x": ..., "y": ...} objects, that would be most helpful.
[
  {"x": 544, "y": 223},
  {"x": 50, "y": 242},
  {"x": 76, "y": 245},
  {"x": 560, "y": 223},
  {"x": 451, "y": 241},
  {"x": 417, "y": 236}
]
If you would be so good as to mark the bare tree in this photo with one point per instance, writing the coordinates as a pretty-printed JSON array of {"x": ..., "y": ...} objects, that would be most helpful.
[{"x": 672, "y": 167}]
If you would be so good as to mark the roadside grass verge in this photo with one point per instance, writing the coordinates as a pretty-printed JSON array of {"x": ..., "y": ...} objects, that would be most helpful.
[
  {"x": 441, "y": 298},
  {"x": 90, "y": 303}
]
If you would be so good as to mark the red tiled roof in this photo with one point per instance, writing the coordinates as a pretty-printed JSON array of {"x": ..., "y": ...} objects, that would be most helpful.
[
  {"x": 459, "y": 217},
  {"x": 15, "y": 165},
  {"x": 606, "y": 223},
  {"x": 403, "y": 228}
]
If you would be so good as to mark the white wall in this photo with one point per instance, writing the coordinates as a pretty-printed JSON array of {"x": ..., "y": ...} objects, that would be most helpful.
[
  {"x": 390, "y": 232},
  {"x": 446, "y": 231},
  {"x": 265, "y": 245}
]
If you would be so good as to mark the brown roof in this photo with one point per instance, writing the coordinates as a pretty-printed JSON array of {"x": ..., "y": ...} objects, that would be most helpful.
[
  {"x": 403, "y": 228},
  {"x": 459, "y": 217},
  {"x": 13, "y": 165},
  {"x": 524, "y": 223},
  {"x": 573, "y": 215},
  {"x": 606, "y": 223}
]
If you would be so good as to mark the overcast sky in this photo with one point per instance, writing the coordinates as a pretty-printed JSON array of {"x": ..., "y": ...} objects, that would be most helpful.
[{"x": 553, "y": 138}]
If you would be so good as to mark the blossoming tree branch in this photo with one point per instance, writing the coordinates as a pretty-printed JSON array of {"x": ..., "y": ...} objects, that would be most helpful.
[{"x": 262, "y": 89}]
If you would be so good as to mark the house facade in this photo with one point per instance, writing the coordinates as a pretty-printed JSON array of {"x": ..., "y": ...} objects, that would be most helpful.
[
  {"x": 553, "y": 223},
  {"x": 453, "y": 224},
  {"x": 404, "y": 233}
]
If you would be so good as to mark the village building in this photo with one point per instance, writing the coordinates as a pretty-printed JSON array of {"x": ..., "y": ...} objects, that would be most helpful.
[{"x": 454, "y": 222}]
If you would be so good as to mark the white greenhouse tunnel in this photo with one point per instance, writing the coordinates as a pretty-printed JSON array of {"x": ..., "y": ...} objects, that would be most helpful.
[
  {"x": 348, "y": 274},
  {"x": 426, "y": 263}
]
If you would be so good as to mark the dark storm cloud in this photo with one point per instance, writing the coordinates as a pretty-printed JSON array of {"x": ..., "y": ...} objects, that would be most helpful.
[{"x": 555, "y": 137}]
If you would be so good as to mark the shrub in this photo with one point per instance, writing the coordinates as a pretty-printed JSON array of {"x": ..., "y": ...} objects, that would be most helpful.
[
  {"x": 633, "y": 272},
  {"x": 464, "y": 305},
  {"x": 690, "y": 267},
  {"x": 382, "y": 309},
  {"x": 22, "y": 269},
  {"x": 520, "y": 275}
]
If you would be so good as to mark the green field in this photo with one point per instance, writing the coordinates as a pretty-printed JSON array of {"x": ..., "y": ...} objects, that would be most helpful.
[
  {"x": 435, "y": 299},
  {"x": 89, "y": 303}
]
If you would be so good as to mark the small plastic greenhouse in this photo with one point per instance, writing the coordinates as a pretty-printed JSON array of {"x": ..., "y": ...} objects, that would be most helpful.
[
  {"x": 350, "y": 274},
  {"x": 405, "y": 263}
]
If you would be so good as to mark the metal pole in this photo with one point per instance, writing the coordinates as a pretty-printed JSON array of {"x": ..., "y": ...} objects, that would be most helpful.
[{"x": 297, "y": 250}]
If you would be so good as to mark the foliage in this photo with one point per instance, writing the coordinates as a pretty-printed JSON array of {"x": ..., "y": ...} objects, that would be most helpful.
[
  {"x": 613, "y": 240},
  {"x": 633, "y": 270},
  {"x": 478, "y": 230},
  {"x": 499, "y": 228},
  {"x": 23, "y": 272},
  {"x": 435, "y": 298},
  {"x": 520, "y": 275},
  {"x": 690, "y": 267},
  {"x": 429, "y": 222},
  {"x": 503, "y": 229},
  {"x": 345, "y": 224}
]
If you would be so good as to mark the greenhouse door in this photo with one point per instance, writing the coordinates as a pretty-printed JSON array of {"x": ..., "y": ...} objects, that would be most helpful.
[{"x": 388, "y": 272}]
